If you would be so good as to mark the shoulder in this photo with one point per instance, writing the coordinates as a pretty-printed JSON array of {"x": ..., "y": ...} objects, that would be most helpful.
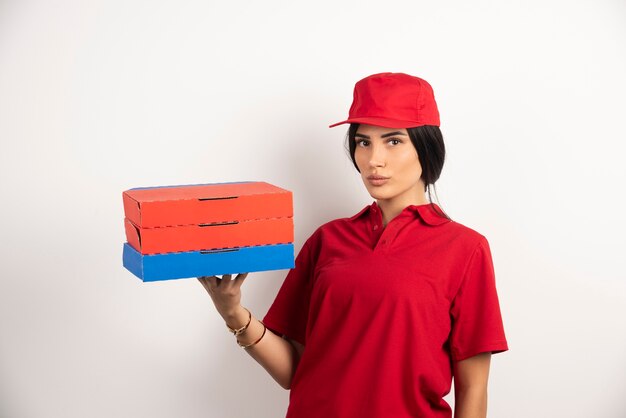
[
  {"x": 329, "y": 227},
  {"x": 465, "y": 232},
  {"x": 460, "y": 240},
  {"x": 339, "y": 227}
]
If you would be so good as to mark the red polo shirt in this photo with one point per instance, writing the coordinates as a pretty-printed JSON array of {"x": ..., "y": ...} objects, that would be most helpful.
[{"x": 383, "y": 311}]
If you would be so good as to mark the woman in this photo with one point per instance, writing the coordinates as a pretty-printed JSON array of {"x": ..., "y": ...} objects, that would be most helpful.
[{"x": 383, "y": 308}]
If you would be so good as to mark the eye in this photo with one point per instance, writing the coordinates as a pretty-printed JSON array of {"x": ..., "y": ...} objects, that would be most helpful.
[
  {"x": 395, "y": 141},
  {"x": 362, "y": 142}
]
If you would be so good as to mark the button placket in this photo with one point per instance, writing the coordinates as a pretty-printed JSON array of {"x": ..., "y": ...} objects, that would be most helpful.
[
  {"x": 389, "y": 233},
  {"x": 376, "y": 226},
  {"x": 385, "y": 238}
]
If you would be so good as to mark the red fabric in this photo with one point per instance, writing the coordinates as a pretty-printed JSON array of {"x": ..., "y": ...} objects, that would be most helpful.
[
  {"x": 383, "y": 312},
  {"x": 393, "y": 100}
]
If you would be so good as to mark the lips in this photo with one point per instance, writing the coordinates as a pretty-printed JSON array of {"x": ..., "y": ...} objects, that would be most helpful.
[{"x": 376, "y": 180}]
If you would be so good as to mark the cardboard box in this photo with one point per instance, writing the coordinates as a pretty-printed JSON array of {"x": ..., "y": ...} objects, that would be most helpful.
[
  {"x": 177, "y": 232},
  {"x": 209, "y": 236},
  {"x": 150, "y": 207},
  {"x": 169, "y": 266}
]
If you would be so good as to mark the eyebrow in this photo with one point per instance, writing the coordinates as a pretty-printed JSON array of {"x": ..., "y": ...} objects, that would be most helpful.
[{"x": 382, "y": 136}]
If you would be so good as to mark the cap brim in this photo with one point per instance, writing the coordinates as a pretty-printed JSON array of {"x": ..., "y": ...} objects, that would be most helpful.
[{"x": 384, "y": 122}]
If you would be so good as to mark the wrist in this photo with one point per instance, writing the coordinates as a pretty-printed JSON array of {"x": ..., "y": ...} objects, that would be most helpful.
[{"x": 237, "y": 317}]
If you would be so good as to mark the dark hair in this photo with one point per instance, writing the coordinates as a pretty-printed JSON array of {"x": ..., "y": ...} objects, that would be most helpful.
[{"x": 431, "y": 152}]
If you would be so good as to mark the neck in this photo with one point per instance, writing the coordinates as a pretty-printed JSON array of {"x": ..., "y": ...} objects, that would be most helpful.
[{"x": 391, "y": 208}]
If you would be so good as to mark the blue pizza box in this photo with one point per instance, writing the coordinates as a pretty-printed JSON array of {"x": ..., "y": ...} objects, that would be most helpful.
[{"x": 167, "y": 266}]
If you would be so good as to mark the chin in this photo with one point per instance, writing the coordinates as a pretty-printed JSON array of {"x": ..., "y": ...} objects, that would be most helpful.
[{"x": 379, "y": 194}]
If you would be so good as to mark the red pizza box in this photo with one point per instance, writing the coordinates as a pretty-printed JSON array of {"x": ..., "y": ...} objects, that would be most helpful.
[
  {"x": 151, "y": 207},
  {"x": 210, "y": 235}
]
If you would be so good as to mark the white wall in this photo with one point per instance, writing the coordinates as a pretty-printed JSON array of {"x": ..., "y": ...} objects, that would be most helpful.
[{"x": 100, "y": 96}]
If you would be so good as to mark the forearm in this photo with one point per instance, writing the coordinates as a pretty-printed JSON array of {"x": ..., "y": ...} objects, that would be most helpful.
[
  {"x": 277, "y": 355},
  {"x": 470, "y": 402}
]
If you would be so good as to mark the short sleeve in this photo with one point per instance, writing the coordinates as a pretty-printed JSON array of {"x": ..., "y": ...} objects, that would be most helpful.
[
  {"x": 288, "y": 314},
  {"x": 475, "y": 311}
]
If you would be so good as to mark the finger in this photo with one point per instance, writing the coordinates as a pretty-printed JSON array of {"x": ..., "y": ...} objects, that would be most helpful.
[
  {"x": 240, "y": 278},
  {"x": 204, "y": 281},
  {"x": 226, "y": 281},
  {"x": 210, "y": 283}
]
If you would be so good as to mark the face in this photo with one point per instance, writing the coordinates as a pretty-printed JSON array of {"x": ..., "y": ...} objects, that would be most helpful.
[{"x": 389, "y": 165}]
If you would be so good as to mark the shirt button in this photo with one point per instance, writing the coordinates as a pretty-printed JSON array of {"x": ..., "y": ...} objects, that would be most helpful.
[{"x": 375, "y": 227}]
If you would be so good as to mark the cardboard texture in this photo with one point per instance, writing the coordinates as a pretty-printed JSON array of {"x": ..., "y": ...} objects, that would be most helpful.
[
  {"x": 196, "y": 230},
  {"x": 151, "y": 207},
  {"x": 207, "y": 263},
  {"x": 209, "y": 236}
]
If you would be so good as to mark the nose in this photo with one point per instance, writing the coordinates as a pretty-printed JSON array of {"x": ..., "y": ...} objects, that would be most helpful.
[{"x": 377, "y": 156}]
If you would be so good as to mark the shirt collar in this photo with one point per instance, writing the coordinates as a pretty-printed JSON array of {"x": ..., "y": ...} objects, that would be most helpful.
[{"x": 425, "y": 211}]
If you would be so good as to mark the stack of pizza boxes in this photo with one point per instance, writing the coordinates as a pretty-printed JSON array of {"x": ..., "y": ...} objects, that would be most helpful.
[{"x": 198, "y": 230}]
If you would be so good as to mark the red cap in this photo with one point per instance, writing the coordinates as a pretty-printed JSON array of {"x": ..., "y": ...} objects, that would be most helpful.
[{"x": 393, "y": 100}]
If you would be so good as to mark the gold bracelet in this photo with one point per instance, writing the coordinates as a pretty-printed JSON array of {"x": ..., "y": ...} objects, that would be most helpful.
[
  {"x": 242, "y": 329},
  {"x": 254, "y": 343}
]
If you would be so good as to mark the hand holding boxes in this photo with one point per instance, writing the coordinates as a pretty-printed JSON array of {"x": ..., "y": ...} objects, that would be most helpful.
[{"x": 207, "y": 229}]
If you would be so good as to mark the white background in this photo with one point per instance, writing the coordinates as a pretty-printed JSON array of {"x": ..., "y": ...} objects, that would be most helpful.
[{"x": 100, "y": 96}]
